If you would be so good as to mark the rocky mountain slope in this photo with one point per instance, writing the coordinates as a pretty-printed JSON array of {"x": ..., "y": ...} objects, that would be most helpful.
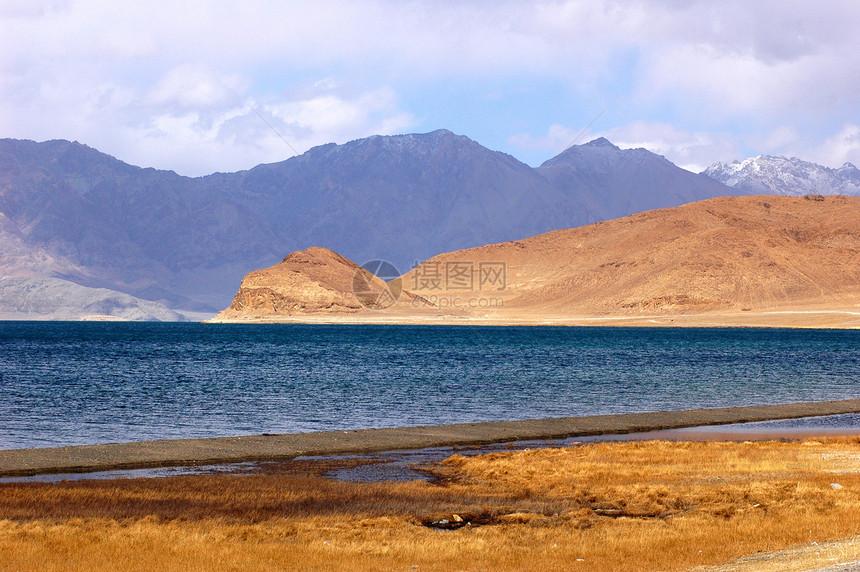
[
  {"x": 610, "y": 182},
  {"x": 56, "y": 299},
  {"x": 782, "y": 176},
  {"x": 152, "y": 234},
  {"x": 30, "y": 287},
  {"x": 739, "y": 256},
  {"x": 79, "y": 215}
]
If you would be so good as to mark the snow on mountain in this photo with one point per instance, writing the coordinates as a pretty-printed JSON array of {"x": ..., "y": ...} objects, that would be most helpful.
[{"x": 781, "y": 176}]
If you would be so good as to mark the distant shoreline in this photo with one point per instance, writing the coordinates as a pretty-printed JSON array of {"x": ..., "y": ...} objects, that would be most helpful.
[
  {"x": 824, "y": 319},
  {"x": 222, "y": 450}
]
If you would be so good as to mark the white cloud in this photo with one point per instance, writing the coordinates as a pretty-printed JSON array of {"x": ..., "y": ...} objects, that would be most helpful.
[
  {"x": 767, "y": 59},
  {"x": 22, "y": 9},
  {"x": 235, "y": 138},
  {"x": 556, "y": 139},
  {"x": 697, "y": 150},
  {"x": 194, "y": 87},
  {"x": 331, "y": 117},
  {"x": 130, "y": 78},
  {"x": 830, "y": 150},
  {"x": 840, "y": 148},
  {"x": 783, "y": 140},
  {"x": 694, "y": 151},
  {"x": 691, "y": 150}
]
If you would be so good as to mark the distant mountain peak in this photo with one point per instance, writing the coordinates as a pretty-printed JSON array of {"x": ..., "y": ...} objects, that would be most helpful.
[
  {"x": 601, "y": 142},
  {"x": 402, "y": 141},
  {"x": 430, "y": 136},
  {"x": 765, "y": 174},
  {"x": 431, "y": 149},
  {"x": 441, "y": 133},
  {"x": 402, "y": 198},
  {"x": 600, "y": 149}
]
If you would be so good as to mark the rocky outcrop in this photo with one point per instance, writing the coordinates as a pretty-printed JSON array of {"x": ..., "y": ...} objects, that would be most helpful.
[{"x": 312, "y": 281}]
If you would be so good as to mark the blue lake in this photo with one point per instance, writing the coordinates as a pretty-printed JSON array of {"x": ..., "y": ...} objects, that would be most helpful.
[{"x": 64, "y": 383}]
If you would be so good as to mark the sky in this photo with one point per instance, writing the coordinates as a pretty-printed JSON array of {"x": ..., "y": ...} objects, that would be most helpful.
[{"x": 199, "y": 87}]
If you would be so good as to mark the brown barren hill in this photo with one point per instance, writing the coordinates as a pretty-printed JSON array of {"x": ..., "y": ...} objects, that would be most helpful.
[
  {"x": 306, "y": 282},
  {"x": 729, "y": 254},
  {"x": 761, "y": 260}
]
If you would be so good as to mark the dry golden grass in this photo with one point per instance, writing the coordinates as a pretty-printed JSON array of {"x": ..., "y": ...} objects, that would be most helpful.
[{"x": 609, "y": 506}]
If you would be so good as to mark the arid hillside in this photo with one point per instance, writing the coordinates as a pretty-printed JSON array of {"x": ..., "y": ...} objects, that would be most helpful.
[
  {"x": 310, "y": 282},
  {"x": 725, "y": 253},
  {"x": 730, "y": 256}
]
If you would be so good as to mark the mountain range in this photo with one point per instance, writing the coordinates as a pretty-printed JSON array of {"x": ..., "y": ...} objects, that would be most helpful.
[
  {"x": 71, "y": 213},
  {"x": 783, "y": 176},
  {"x": 739, "y": 261},
  {"x": 146, "y": 242}
]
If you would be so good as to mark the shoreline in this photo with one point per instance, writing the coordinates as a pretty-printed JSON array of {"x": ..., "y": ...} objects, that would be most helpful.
[
  {"x": 225, "y": 450},
  {"x": 801, "y": 318},
  {"x": 398, "y": 465}
]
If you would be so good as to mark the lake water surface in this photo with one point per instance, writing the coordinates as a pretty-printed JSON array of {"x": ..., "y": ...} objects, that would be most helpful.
[{"x": 64, "y": 383}]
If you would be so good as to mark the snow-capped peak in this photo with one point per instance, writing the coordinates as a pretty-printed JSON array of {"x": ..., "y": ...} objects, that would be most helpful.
[{"x": 783, "y": 176}]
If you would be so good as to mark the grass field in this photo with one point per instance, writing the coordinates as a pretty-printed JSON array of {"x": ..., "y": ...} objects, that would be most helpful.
[{"x": 603, "y": 506}]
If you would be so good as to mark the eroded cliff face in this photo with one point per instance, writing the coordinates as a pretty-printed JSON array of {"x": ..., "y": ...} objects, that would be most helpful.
[
  {"x": 312, "y": 281},
  {"x": 312, "y": 300}
]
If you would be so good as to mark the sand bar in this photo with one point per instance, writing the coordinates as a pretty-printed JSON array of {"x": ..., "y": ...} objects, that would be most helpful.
[{"x": 183, "y": 452}]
